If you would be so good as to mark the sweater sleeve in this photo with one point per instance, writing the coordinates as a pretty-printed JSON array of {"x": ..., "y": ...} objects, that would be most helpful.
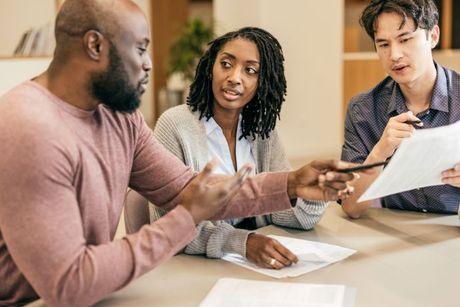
[
  {"x": 167, "y": 133},
  {"x": 213, "y": 239},
  {"x": 306, "y": 213}
]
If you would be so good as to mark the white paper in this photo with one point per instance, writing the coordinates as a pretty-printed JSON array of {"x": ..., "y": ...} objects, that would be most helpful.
[
  {"x": 312, "y": 256},
  {"x": 418, "y": 162},
  {"x": 239, "y": 292}
]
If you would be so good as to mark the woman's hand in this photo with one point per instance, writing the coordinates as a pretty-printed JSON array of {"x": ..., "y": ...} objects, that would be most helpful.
[{"x": 268, "y": 253}]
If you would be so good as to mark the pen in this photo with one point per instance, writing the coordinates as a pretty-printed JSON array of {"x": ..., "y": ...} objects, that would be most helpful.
[
  {"x": 417, "y": 122},
  {"x": 362, "y": 167}
]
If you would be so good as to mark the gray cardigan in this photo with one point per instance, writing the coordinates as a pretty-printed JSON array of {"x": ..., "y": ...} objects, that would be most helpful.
[{"x": 181, "y": 132}]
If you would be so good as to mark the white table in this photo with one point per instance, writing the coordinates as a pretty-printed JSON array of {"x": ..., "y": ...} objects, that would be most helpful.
[{"x": 403, "y": 259}]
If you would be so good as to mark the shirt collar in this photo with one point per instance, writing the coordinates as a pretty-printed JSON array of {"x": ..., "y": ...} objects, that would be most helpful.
[
  {"x": 211, "y": 125},
  {"x": 439, "y": 98}
]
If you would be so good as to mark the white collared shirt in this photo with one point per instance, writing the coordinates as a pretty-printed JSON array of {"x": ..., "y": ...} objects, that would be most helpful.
[{"x": 218, "y": 148}]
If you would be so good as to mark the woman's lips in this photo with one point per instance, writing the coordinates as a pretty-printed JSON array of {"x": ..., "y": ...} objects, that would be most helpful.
[{"x": 231, "y": 94}]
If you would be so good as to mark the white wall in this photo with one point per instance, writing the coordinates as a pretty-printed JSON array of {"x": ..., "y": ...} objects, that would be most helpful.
[
  {"x": 18, "y": 16},
  {"x": 15, "y": 71},
  {"x": 147, "y": 99},
  {"x": 311, "y": 35}
]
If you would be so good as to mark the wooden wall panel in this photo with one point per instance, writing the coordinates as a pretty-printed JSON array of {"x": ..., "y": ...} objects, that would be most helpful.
[
  {"x": 168, "y": 17},
  {"x": 359, "y": 76}
]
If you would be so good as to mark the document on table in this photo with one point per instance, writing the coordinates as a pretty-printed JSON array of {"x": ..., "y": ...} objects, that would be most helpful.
[
  {"x": 418, "y": 162},
  {"x": 312, "y": 256},
  {"x": 230, "y": 292}
]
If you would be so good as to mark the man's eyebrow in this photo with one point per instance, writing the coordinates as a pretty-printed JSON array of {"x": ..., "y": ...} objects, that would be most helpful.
[
  {"x": 380, "y": 40},
  {"x": 405, "y": 33}
]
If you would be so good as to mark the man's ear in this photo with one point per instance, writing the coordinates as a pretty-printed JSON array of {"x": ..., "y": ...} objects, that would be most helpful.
[
  {"x": 434, "y": 36},
  {"x": 93, "y": 44}
]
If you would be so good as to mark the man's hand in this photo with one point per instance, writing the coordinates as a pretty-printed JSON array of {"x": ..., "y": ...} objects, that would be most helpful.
[
  {"x": 204, "y": 199},
  {"x": 268, "y": 253},
  {"x": 452, "y": 176},
  {"x": 319, "y": 180},
  {"x": 395, "y": 131}
]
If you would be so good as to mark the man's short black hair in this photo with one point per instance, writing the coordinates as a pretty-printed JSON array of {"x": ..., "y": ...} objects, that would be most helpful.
[{"x": 424, "y": 13}]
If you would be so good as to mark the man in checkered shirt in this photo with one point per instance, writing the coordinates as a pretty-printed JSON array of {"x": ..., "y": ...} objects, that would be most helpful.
[{"x": 417, "y": 88}]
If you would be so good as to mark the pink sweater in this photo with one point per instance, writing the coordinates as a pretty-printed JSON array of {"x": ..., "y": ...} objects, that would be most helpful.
[{"x": 63, "y": 176}]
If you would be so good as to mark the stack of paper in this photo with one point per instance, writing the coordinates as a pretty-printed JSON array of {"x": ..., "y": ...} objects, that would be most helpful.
[
  {"x": 312, "y": 256},
  {"x": 418, "y": 162},
  {"x": 229, "y": 292}
]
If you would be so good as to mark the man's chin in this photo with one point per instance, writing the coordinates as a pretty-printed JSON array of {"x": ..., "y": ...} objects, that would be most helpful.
[{"x": 130, "y": 107}]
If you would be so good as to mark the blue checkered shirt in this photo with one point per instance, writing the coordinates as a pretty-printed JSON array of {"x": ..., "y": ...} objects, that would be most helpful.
[{"x": 367, "y": 116}]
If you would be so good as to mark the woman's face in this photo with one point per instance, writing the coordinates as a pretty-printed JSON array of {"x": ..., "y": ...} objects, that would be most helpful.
[{"x": 235, "y": 74}]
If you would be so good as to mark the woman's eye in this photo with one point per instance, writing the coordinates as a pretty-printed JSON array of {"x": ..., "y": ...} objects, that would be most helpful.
[
  {"x": 225, "y": 64},
  {"x": 252, "y": 70}
]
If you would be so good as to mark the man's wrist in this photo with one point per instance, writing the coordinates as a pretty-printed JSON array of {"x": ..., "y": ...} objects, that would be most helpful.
[
  {"x": 292, "y": 185},
  {"x": 195, "y": 219},
  {"x": 376, "y": 155}
]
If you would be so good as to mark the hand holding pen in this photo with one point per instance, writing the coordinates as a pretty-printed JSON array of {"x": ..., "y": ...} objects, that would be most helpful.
[{"x": 398, "y": 128}]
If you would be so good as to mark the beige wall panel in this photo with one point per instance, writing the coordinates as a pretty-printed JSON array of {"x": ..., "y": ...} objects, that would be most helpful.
[{"x": 311, "y": 35}]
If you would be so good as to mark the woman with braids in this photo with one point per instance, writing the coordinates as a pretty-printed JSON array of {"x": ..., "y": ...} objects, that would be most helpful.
[{"x": 231, "y": 113}]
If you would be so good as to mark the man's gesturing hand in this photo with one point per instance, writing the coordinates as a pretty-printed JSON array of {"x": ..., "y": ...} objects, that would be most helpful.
[
  {"x": 319, "y": 180},
  {"x": 204, "y": 199}
]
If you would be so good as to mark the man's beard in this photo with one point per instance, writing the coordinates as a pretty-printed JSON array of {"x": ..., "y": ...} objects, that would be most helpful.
[{"x": 112, "y": 87}]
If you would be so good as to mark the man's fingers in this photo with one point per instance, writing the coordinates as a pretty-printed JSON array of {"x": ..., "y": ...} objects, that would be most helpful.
[
  {"x": 407, "y": 116},
  {"x": 331, "y": 164},
  {"x": 452, "y": 172},
  {"x": 451, "y": 180},
  {"x": 235, "y": 182},
  {"x": 336, "y": 185},
  {"x": 230, "y": 186},
  {"x": 243, "y": 173},
  {"x": 341, "y": 177},
  {"x": 449, "y": 173},
  {"x": 402, "y": 127},
  {"x": 401, "y": 134},
  {"x": 207, "y": 170}
]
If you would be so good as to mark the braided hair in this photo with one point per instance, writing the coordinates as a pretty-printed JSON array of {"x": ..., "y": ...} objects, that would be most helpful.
[{"x": 260, "y": 114}]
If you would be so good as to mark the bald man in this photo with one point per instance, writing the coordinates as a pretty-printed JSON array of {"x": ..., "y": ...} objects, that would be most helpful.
[{"x": 72, "y": 142}]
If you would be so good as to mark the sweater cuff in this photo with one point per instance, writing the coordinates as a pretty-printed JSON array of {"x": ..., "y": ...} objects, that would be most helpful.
[
  {"x": 179, "y": 226},
  {"x": 226, "y": 239},
  {"x": 236, "y": 242}
]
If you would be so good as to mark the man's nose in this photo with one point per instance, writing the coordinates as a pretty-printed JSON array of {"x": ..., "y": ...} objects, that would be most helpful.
[
  {"x": 395, "y": 52},
  {"x": 147, "y": 65}
]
